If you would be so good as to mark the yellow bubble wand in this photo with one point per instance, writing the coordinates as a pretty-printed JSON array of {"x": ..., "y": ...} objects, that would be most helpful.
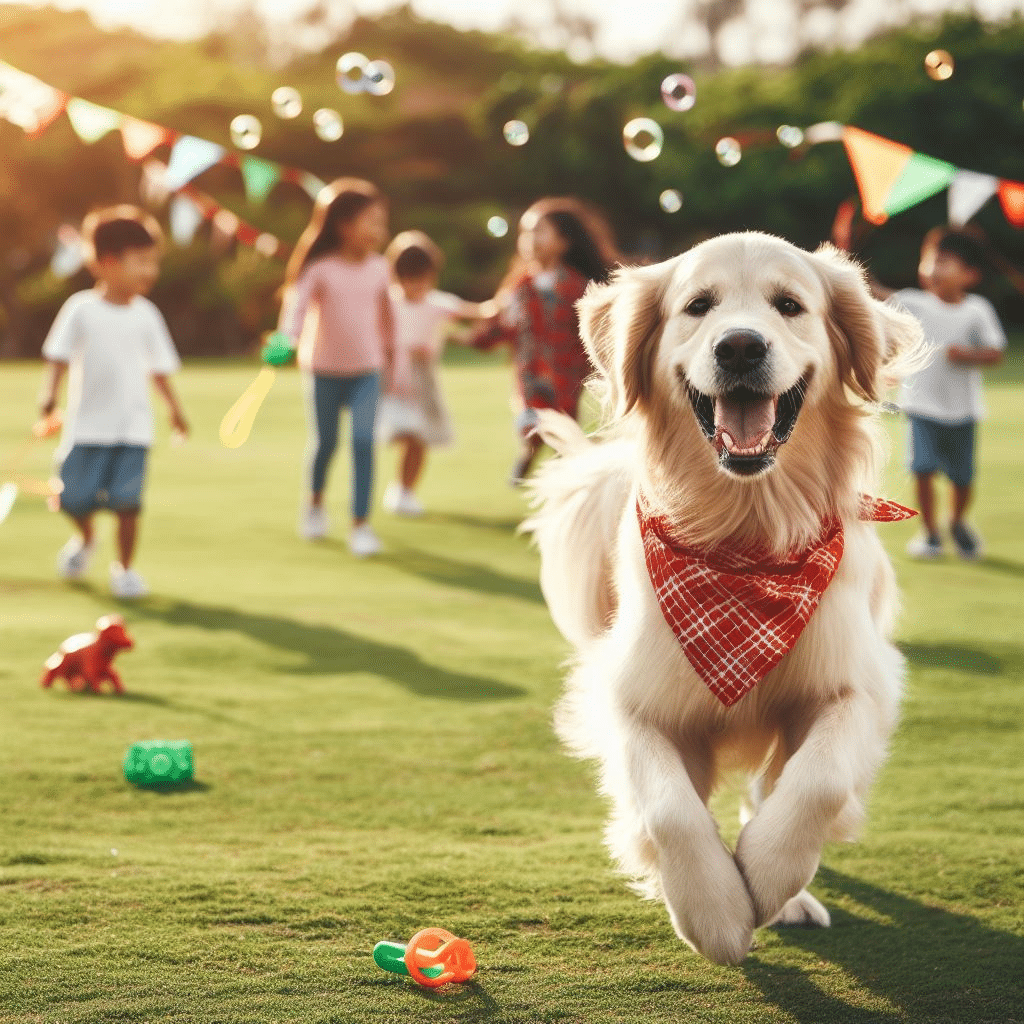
[{"x": 238, "y": 420}]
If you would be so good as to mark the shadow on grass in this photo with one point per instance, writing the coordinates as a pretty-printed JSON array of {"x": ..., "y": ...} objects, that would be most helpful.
[
  {"x": 503, "y": 525},
  {"x": 331, "y": 651},
  {"x": 466, "y": 575},
  {"x": 1003, "y": 565},
  {"x": 925, "y": 963},
  {"x": 472, "y": 1000},
  {"x": 960, "y": 658},
  {"x": 174, "y": 788}
]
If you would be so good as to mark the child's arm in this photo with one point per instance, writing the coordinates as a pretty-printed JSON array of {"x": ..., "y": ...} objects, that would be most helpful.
[
  {"x": 51, "y": 386},
  {"x": 396, "y": 369},
  {"x": 163, "y": 385},
  {"x": 974, "y": 356}
]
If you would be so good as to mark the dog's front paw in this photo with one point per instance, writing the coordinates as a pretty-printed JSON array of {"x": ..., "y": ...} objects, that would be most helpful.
[
  {"x": 775, "y": 867},
  {"x": 802, "y": 911},
  {"x": 710, "y": 908}
]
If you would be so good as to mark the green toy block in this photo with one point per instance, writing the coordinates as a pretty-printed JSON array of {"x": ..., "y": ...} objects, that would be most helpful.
[{"x": 152, "y": 762}]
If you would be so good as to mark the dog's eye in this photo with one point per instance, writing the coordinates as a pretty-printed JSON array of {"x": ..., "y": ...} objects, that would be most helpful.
[
  {"x": 698, "y": 306},
  {"x": 788, "y": 306}
]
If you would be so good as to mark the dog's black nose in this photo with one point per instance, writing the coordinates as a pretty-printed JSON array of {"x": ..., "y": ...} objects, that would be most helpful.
[{"x": 740, "y": 350}]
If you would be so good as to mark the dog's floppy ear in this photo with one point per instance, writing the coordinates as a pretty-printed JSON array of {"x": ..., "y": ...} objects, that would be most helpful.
[
  {"x": 620, "y": 323},
  {"x": 871, "y": 339}
]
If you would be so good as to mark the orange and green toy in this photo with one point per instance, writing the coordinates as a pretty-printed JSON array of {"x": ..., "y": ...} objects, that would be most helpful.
[{"x": 433, "y": 957}]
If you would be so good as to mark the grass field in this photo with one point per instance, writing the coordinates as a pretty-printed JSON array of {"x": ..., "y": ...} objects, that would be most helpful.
[{"x": 374, "y": 755}]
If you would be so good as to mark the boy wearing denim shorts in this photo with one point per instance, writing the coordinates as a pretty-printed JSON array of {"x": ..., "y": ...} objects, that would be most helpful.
[
  {"x": 943, "y": 401},
  {"x": 113, "y": 340}
]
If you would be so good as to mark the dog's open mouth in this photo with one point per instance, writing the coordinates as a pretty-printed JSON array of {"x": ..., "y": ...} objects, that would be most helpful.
[{"x": 745, "y": 427}]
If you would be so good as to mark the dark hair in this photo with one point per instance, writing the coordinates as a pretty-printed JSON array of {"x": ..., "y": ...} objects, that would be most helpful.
[
  {"x": 111, "y": 232},
  {"x": 337, "y": 204},
  {"x": 967, "y": 246},
  {"x": 591, "y": 253},
  {"x": 413, "y": 255}
]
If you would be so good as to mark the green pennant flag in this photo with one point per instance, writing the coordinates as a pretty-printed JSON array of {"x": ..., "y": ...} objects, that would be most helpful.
[
  {"x": 922, "y": 177},
  {"x": 259, "y": 176}
]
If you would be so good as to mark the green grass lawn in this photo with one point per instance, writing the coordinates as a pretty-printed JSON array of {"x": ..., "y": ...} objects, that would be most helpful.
[{"x": 374, "y": 755}]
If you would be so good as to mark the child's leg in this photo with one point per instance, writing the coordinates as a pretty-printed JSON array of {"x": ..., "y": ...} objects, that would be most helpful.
[
  {"x": 414, "y": 454},
  {"x": 961, "y": 502},
  {"x": 124, "y": 492},
  {"x": 327, "y": 400},
  {"x": 363, "y": 392},
  {"x": 127, "y": 534},
  {"x": 926, "y": 501},
  {"x": 85, "y": 528}
]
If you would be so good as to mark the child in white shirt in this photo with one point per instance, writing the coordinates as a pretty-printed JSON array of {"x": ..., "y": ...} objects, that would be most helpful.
[
  {"x": 423, "y": 319},
  {"x": 114, "y": 340},
  {"x": 943, "y": 401}
]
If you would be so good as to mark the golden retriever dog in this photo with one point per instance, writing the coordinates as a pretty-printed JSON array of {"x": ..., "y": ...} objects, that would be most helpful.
[{"x": 739, "y": 383}]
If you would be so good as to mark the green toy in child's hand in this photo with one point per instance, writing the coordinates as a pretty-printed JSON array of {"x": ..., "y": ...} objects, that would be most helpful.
[
  {"x": 152, "y": 762},
  {"x": 278, "y": 349}
]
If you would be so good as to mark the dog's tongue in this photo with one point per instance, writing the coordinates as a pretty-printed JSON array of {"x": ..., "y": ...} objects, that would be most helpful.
[{"x": 746, "y": 420}]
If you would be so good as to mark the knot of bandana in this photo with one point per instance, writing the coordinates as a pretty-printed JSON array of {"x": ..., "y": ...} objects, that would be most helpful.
[{"x": 736, "y": 613}]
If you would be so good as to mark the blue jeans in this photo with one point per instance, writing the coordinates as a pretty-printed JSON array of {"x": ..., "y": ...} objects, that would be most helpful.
[{"x": 329, "y": 395}]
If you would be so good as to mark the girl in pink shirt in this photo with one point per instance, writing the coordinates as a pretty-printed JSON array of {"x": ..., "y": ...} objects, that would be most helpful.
[{"x": 338, "y": 313}]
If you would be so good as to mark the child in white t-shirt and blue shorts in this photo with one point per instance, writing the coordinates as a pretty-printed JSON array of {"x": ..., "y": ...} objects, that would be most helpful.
[
  {"x": 113, "y": 341},
  {"x": 943, "y": 401}
]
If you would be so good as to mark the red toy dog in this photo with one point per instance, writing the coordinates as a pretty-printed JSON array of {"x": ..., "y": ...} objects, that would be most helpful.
[{"x": 85, "y": 658}]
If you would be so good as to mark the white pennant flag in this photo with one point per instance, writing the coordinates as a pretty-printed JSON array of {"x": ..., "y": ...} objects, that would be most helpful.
[
  {"x": 185, "y": 219},
  {"x": 968, "y": 193}
]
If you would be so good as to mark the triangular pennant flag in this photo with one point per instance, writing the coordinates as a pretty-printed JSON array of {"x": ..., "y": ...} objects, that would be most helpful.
[
  {"x": 141, "y": 137},
  {"x": 968, "y": 193},
  {"x": 91, "y": 122},
  {"x": 69, "y": 254},
  {"x": 922, "y": 177},
  {"x": 47, "y": 105},
  {"x": 189, "y": 158},
  {"x": 259, "y": 176},
  {"x": 877, "y": 164},
  {"x": 311, "y": 183},
  {"x": 246, "y": 233},
  {"x": 1011, "y": 197},
  {"x": 185, "y": 219}
]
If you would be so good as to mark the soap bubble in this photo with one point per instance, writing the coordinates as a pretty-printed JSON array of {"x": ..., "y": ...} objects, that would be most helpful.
[
  {"x": 643, "y": 139},
  {"x": 246, "y": 131},
  {"x": 516, "y": 133},
  {"x": 939, "y": 65},
  {"x": 671, "y": 200},
  {"x": 679, "y": 92},
  {"x": 728, "y": 151},
  {"x": 350, "y": 72},
  {"x": 380, "y": 78},
  {"x": 328, "y": 125},
  {"x": 287, "y": 102},
  {"x": 497, "y": 227},
  {"x": 789, "y": 135}
]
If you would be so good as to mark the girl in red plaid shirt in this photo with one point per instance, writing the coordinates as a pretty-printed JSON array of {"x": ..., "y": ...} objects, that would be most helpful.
[{"x": 563, "y": 246}]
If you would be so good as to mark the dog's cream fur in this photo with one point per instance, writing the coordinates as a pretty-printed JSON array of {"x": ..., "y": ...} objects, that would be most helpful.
[{"x": 813, "y": 733}]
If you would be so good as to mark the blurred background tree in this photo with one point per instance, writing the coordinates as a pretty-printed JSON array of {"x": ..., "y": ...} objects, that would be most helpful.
[{"x": 435, "y": 145}]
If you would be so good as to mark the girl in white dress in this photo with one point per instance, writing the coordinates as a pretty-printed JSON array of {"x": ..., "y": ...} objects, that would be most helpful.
[{"x": 423, "y": 320}]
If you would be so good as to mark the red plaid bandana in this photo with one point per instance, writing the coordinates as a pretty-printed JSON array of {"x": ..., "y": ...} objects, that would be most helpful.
[{"x": 737, "y": 613}]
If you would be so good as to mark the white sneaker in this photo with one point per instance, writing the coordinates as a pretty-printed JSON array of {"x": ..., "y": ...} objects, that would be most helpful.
[
  {"x": 401, "y": 501},
  {"x": 925, "y": 547},
  {"x": 314, "y": 523},
  {"x": 73, "y": 559},
  {"x": 363, "y": 542},
  {"x": 126, "y": 583}
]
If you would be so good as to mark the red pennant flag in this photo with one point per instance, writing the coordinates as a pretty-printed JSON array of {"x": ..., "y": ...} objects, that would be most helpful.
[{"x": 1011, "y": 197}]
